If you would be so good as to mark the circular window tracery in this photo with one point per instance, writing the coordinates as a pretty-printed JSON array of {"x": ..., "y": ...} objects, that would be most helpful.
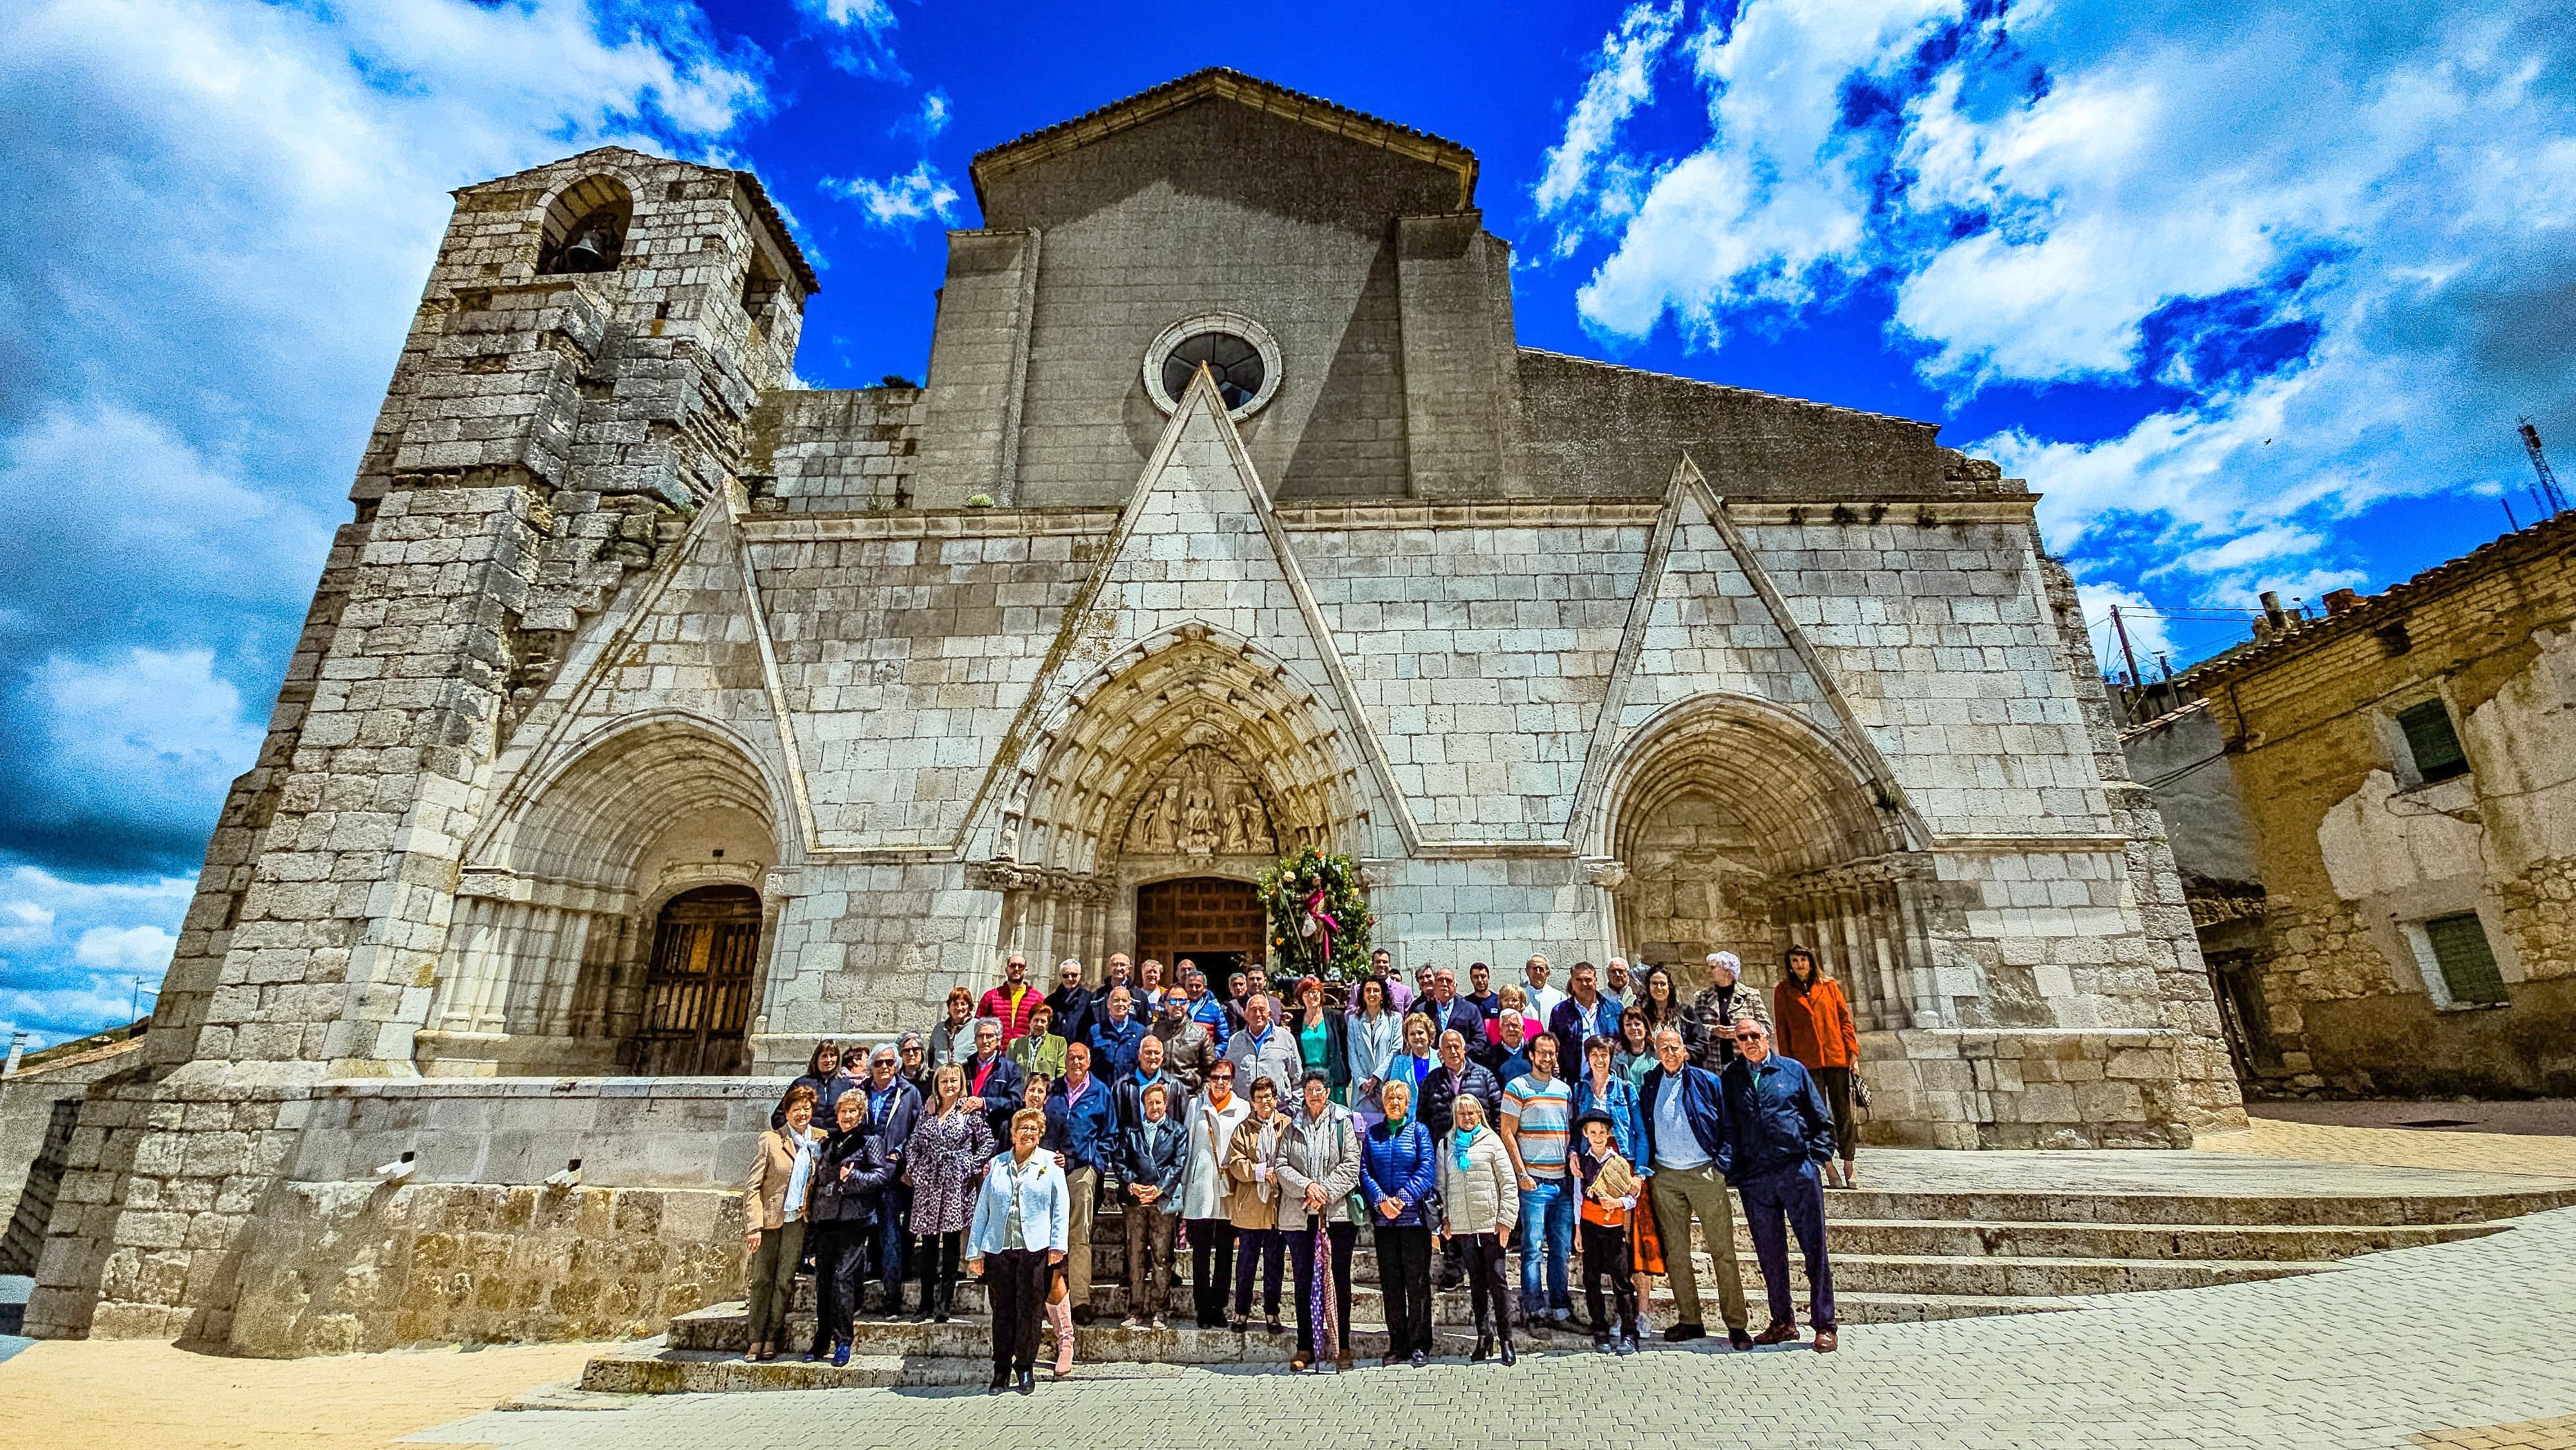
[{"x": 1239, "y": 352}]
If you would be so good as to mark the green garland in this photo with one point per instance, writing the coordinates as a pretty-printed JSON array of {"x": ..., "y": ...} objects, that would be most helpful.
[{"x": 1284, "y": 889}]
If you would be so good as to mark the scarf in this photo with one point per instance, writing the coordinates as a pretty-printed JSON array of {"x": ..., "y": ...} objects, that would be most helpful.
[{"x": 1462, "y": 1141}]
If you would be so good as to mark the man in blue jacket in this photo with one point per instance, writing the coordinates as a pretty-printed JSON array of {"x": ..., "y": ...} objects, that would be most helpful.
[
  {"x": 1783, "y": 1133},
  {"x": 1080, "y": 1116},
  {"x": 1690, "y": 1142},
  {"x": 1114, "y": 1035},
  {"x": 893, "y": 1111}
]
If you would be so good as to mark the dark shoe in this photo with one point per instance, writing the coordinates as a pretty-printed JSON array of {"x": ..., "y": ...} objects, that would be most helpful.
[
  {"x": 1236, "y": 1324},
  {"x": 1739, "y": 1339},
  {"x": 840, "y": 1356},
  {"x": 1777, "y": 1334},
  {"x": 1028, "y": 1382},
  {"x": 1627, "y": 1344},
  {"x": 1601, "y": 1342},
  {"x": 1484, "y": 1349},
  {"x": 1420, "y": 1359},
  {"x": 1561, "y": 1318},
  {"x": 1082, "y": 1316},
  {"x": 1510, "y": 1357},
  {"x": 1001, "y": 1382},
  {"x": 815, "y": 1356},
  {"x": 1272, "y": 1325},
  {"x": 1683, "y": 1332},
  {"x": 1386, "y": 1361},
  {"x": 1824, "y": 1341}
]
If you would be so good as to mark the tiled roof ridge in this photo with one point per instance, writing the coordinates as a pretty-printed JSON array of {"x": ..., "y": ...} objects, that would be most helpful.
[{"x": 2371, "y": 611}]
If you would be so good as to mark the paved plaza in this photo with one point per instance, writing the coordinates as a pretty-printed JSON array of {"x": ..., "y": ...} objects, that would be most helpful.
[{"x": 2410, "y": 1347}]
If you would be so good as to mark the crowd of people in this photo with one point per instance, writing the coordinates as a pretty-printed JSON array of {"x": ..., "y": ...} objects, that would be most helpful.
[{"x": 1587, "y": 1126}]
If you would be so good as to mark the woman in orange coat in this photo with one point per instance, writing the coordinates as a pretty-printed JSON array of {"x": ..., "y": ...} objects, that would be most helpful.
[{"x": 1813, "y": 1023}]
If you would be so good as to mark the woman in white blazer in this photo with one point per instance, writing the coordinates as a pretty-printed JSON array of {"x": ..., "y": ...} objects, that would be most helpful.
[{"x": 1021, "y": 1216}]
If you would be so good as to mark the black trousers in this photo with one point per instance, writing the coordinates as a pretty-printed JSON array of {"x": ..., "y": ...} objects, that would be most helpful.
[
  {"x": 936, "y": 1259},
  {"x": 1404, "y": 1276},
  {"x": 1483, "y": 1256},
  {"x": 840, "y": 1264},
  {"x": 1016, "y": 1281},
  {"x": 1211, "y": 1265},
  {"x": 1605, "y": 1256},
  {"x": 1837, "y": 1083},
  {"x": 1301, "y": 1258},
  {"x": 1257, "y": 1248}
]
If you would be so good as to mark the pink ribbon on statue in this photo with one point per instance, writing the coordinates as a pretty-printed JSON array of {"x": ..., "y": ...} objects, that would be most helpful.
[{"x": 1319, "y": 924}]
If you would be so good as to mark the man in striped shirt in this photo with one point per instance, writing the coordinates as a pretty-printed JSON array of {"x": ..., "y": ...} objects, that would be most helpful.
[{"x": 1538, "y": 1118}]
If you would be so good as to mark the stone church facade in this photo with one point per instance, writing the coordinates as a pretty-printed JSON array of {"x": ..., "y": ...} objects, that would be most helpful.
[{"x": 657, "y": 715}]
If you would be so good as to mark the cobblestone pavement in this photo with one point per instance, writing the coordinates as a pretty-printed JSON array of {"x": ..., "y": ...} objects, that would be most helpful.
[
  {"x": 2516, "y": 1152},
  {"x": 2470, "y": 1344}
]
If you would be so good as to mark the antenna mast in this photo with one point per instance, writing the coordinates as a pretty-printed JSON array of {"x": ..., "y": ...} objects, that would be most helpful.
[{"x": 2552, "y": 497}]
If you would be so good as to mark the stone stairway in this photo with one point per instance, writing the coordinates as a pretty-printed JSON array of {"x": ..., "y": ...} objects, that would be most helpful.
[{"x": 1899, "y": 1256}]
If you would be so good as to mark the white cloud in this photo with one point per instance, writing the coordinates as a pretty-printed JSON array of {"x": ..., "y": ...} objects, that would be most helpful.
[
  {"x": 73, "y": 952},
  {"x": 1622, "y": 79},
  {"x": 219, "y": 218},
  {"x": 933, "y": 118},
  {"x": 872, "y": 16},
  {"x": 900, "y": 203},
  {"x": 131, "y": 949},
  {"x": 2346, "y": 235}
]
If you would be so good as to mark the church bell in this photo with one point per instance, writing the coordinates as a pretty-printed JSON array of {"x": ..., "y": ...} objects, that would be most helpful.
[{"x": 592, "y": 251}]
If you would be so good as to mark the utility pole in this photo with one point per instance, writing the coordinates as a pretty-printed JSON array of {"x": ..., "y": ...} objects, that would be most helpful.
[
  {"x": 2126, "y": 653},
  {"x": 2553, "y": 499}
]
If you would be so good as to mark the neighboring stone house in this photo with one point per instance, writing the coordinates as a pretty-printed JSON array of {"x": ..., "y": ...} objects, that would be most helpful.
[
  {"x": 2400, "y": 778},
  {"x": 40, "y": 1096},
  {"x": 656, "y": 717}
]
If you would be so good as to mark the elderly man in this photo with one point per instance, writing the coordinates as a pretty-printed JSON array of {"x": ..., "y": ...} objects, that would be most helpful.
[
  {"x": 1448, "y": 1011},
  {"x": 1075, "y": 1006},
  {"x": 1081, "y": 1115},
  {"x": 1261, "y": 1048},
  {"x": 1128, "y": 1086},
  {"x": 893, "y": 1110},
  {"x": 1582, "y": 1016},
  {"x": 1708, "y": 1023},
  {"x": 1206, "y": 1007},
  {"x": 1188, "y": 1049},
  {"x": 1115, "y": 1033},
  {"x": 1542, "y": 997},
  {"x": 1119, "y": 973},
  {"x": 993, "y": 1081},
  {"x": 1454, "y": 1078},
  {"x": 1783, "y": 1134},
  {"x": 1508, "y": 1057},
  {"x": 1011, "y": 1003},
  {"x": 1688, "y": 1144},
  {"x": 1614, "y": 981}
]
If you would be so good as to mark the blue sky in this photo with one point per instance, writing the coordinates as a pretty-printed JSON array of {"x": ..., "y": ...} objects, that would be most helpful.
[{"x": 2251, "y": 291}]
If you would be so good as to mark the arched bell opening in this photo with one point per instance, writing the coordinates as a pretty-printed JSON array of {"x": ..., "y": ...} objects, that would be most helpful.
[
  {"x": 1743, "y": 829},
  {"x": 586, "y": 226},
  {"x": 565, "y": 913}
]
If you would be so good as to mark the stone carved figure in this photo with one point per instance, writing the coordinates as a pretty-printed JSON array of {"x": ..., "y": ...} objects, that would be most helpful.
[{"x": 1202, "y": 805}]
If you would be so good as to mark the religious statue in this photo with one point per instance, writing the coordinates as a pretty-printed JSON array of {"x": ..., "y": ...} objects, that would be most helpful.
[{"x": 1198, "y": 819}]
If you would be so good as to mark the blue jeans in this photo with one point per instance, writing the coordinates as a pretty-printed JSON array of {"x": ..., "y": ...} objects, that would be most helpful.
[{"x": 1547, "y": 1216}]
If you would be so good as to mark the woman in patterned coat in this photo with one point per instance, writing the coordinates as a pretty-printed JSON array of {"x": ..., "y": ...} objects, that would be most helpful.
[{"x": 944, "y": 1164}]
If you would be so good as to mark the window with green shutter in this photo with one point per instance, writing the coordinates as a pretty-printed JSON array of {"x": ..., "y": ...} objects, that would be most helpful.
[
  {"x": 2432, "y": 742},
  {"x": 2468, "y": 965}
]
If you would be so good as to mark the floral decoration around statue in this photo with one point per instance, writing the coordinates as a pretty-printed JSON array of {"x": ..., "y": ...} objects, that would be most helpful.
[{"x": 1319, "y": 917}]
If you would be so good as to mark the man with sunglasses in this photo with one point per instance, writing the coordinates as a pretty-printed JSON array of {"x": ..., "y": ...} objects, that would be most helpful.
[{"x": 1782, "y": 1133}]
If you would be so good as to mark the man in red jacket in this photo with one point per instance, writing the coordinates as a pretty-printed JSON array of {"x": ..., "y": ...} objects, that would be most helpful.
[{"x": 1012, "y": 1002}]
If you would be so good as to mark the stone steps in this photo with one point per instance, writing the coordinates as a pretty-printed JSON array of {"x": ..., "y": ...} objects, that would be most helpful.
[{"x": 1900, "y": 1256}]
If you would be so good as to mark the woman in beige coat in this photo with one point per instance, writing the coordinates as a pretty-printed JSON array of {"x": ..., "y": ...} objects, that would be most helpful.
[
  {"x": 1481, "y": 1204},
  {"x": 1252, "y": 1166},
  {"x": 773, "y": 1206}
]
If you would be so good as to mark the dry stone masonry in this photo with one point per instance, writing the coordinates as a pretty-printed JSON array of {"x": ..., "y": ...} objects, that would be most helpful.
[{"x": 656, "y": 716}]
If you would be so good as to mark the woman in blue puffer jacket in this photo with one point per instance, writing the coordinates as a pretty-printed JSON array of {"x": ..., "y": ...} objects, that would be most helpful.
[{"x": 1397, "y": 1171}]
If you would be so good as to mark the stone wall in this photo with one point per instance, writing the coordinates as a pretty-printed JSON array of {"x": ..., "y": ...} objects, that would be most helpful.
[
  {"x": 2356, "y": 850},
  {"x": 343, "y": 1268}
]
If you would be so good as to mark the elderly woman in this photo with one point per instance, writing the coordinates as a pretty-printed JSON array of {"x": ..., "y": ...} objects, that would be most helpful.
[
  {"x": 1417, "y": 1061},
  {"x": 774, "y": 1202},
  {"x": 1213, "y": 1117},
  {"x": 949, "y": 1147},
  {"x": 1252, "y": 1205},
  {"x": 1040, "y": 1050},
  {"x": 1373, "y": 1036},
  {"x": 1021, "y": 1217},
  {"x": 1318, "y": 1168},
  {"x": 850, "y": 1176},
  {"x": 1397, "y": 1174},
  {"x": 1481, "y": 1200},
  {"x": 1154, "y": 1158}
]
